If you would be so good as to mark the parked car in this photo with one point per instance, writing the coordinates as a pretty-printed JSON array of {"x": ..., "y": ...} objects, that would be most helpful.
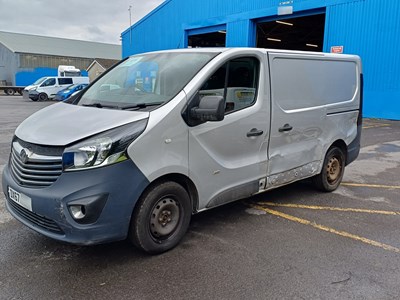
[
  {"x": 67, "y": 92},
  {"x": 47, "y": 87}
]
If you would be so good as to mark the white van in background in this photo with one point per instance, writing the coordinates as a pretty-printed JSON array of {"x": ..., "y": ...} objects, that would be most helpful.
[
  {"x": 47, "y": 87},
  {"x": 167, "y": 134}
]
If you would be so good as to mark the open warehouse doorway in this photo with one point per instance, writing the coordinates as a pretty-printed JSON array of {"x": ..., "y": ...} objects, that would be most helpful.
[
  {"x": 304, "y": 33},
  {"x": 209, "y": 39}
]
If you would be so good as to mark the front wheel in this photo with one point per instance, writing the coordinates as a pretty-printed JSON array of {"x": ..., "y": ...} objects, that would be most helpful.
[
  {"x": 161, "y": 218},
  {"x": 332, "y": 170},
  {"x": 43, "y": 97}
]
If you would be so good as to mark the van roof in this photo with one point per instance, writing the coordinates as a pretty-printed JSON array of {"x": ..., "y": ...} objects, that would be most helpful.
[{"x": 262, "y": 50}]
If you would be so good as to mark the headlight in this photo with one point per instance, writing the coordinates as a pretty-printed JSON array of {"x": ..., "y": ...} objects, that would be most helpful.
[{"x": 102, "y": 149}]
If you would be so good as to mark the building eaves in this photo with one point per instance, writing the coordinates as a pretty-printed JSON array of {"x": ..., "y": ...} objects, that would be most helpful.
[
  {"x": 106, "y": 63},
  {"x": 103, "y": 63},
  {"x": 35, "y": 44},
  {"x": 158, "y": 8}
]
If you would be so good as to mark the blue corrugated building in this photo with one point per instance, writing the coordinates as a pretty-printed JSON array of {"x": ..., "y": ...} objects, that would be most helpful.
[{"x": 368, "y": 28}]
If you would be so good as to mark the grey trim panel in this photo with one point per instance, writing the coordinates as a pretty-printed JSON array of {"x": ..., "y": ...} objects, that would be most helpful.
[
  {"x": 293, "y": 175},
  {"x": 234, "y": 193},
  {"x": 354, "y": 148}
]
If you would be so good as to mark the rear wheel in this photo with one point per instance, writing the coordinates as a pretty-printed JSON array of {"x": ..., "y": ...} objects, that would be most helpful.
[
  {"x": 161, "y": 218},
  {"x": 42, "y": 97},
  {"x": 332, "y": 170}
]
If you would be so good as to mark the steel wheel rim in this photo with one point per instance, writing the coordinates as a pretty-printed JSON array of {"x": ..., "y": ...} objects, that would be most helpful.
[
  {"x": 164, "y": 218},
  {"x": 333, "y": 170}
]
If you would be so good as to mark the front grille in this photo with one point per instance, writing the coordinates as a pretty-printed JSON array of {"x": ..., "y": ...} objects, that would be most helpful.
[
  {"x": 32, "y": 169},
  {"x": 35, "y": 219}
]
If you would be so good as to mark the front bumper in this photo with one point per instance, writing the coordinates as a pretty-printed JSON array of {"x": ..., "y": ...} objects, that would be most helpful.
[
  {"x": 112, "y": 190},
  {"x": 25, "y": 94},
  {"x": 33, "y": 95},
  {"x": 59, "y": 97}
]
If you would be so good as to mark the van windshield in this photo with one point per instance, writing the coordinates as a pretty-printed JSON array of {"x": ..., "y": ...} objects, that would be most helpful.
[
  {"x": 145, "y": 80},
  {"x": 39, "y": 81}
]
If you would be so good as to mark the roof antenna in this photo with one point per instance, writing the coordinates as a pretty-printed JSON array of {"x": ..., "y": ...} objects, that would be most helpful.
[{"x": 130, "y": 25}]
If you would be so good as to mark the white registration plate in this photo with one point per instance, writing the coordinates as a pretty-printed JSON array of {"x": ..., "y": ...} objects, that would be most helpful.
[{"x": 20, "y": 198}]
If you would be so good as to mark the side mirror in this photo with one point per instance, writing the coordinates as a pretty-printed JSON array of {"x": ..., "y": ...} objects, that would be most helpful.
[{"x": 211, "y": 108}]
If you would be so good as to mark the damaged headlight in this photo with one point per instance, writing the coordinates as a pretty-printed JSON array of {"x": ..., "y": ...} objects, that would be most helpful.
[{"x": 103, "y": 149}]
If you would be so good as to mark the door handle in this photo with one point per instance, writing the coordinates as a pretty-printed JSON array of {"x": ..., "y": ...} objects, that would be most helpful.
[
  {"x": 285, "y": 127},
  {"x": 254, "y": 132}
]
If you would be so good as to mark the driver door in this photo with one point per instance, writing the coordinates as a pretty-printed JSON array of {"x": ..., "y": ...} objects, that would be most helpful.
[{"x": 228, "y": 158}]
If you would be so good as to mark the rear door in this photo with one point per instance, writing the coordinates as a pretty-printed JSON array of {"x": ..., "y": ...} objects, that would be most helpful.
[{"x": 228, "y": 158}]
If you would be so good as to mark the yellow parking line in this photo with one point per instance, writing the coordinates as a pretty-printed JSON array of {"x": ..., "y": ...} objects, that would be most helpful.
[
  {"x": 314, "y": 207},
  {"x": 367, "y": 126},
  {"x": 379, "y": 186},
  {"x": 328, "y": 229}
]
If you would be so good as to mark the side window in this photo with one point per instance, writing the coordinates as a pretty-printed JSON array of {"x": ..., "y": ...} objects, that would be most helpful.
[
  {"x": 63, "y": 81},
  {"x": 49, "y": 82},
  {"x": 236, "y": 81}
]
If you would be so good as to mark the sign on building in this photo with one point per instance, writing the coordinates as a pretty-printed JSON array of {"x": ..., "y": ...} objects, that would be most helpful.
[{"x": 337, "y": 49}]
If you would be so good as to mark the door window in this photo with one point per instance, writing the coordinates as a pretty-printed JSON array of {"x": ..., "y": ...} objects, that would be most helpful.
[
  {"x": 63, "y": 81},
  {"x": 49, "y": 82},
  {"x": 236, "y": 81}
]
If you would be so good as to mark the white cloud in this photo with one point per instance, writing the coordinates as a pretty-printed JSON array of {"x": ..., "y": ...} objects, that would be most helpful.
[{"x": 99, "y": 21}]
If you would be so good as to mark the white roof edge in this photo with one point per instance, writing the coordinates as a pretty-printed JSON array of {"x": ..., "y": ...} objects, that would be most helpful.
[{"x": 36, "y": 44}]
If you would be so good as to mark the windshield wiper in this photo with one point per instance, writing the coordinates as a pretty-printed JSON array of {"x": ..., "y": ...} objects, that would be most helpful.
[
  {"x": 141, "y": 105},
  {"x": 99, "y": 105}
]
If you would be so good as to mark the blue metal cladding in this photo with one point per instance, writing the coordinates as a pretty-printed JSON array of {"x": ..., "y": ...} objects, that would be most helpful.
[
  {"x": 371, "y": 29},
  {"x": 166, "y": 26},
  {"x": 27, "y": 77},
  {"x": 244, "y": 36},
  {"x": 368, "y": 28}
]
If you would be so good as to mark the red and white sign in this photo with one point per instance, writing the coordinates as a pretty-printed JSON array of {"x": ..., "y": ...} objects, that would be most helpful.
[{"x": 337, "y": 49}]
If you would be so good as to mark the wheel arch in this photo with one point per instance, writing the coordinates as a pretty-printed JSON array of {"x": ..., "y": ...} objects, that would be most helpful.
[
  {"x": 182, "y": 180},
  {"x": 330, "y": 176},
  {"x": 340, "y": 144}
]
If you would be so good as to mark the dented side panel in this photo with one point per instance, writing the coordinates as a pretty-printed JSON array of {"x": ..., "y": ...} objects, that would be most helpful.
[{"x": 315, "y": 101}]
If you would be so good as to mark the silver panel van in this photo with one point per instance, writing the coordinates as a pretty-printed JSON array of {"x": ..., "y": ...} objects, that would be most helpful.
[{"x": 167, "y": 134}]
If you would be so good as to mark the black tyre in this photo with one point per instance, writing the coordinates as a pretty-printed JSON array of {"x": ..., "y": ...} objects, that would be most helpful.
[
  {"x": 161, "y": 218},
  {"x": 42, "y": 97},
  {"x": 332, "y": 170},
  {"x": 10, "y": 92}
]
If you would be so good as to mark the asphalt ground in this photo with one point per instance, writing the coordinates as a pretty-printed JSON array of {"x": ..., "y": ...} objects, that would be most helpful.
[{"x": 290, "y": 243}]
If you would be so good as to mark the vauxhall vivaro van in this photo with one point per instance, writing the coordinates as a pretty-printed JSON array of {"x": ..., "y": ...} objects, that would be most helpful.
[
  {"x": 47, "y": 87},
  {"x": 167, "y": 134}
]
